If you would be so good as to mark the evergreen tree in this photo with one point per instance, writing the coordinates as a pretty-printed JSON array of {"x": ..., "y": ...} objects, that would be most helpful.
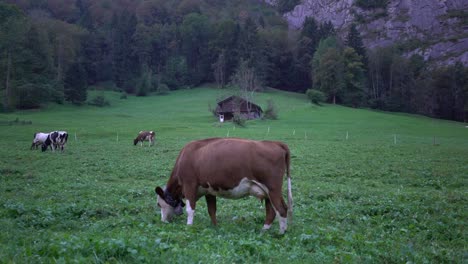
[
  {"x": 309, "y": 37},
  {"x": 354, "y": 77},
  {"x": 326, "y": 30},
  {"x": 354, "y": 40},
  {"x": 225, "y": 41},
  {"x": 252, "y": 49},
  {"x": 195, "y": 33},
  {"x": 307, "y": 45},
  {"x": 123, "y": 61},
  {"x": 13, "y": 28},
  {"x": 75, "y": 84},
  {"x": 248, "y": 41}
]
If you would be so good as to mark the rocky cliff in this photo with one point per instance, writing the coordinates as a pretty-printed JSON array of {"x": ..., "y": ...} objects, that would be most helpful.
[{"x": 435, "y": 29}]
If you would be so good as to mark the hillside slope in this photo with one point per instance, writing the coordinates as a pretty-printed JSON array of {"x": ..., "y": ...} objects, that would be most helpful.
[{"x": 368, "y": 186}]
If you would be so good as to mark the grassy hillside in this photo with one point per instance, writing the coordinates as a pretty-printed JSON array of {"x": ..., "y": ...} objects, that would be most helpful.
[{"x": 384, "y": 193}]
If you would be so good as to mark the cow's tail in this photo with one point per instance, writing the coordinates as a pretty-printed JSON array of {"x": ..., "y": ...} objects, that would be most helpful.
[{"x": 290, "y": 198}]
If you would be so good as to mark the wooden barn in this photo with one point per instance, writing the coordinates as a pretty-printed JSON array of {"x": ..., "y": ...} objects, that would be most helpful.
[{"x": 227, "y": 107}]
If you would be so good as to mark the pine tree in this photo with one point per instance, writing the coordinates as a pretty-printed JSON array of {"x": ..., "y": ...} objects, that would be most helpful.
[
  {"x": 75, "y": 84},
  {"x": 354, "y": 76},
  {"x": 308, "y": 41},
  {"x": 354, "y": 40},
  {"x": 123, "y": 61}
]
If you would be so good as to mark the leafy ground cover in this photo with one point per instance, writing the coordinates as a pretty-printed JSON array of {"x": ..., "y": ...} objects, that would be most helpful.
[{"x": 368, "y": 186}]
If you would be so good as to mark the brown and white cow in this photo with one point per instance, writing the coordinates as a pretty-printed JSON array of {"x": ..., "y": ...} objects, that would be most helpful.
[
  {"x": 145, "y": 136},
  {"x": 230, "y": 168}
]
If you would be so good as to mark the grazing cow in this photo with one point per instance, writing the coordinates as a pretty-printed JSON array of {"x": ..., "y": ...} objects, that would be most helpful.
[
  {"x": 145, "y": 136},
  {"x": 230, "y": 168},
  {"x": 39, "y": 139},
  {"x": 56, "y": 139}
]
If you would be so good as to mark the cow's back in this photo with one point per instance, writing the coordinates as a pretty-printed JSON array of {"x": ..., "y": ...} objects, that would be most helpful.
[{"x": 223, "y": 162}]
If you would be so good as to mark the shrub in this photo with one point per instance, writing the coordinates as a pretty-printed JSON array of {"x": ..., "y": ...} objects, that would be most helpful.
[
  {"x": 271, "y": 111},
  {"x": 238, "y": 119},
  {"x": 123, "y": 95},
  {"x": 145, "y": 83},
  {"x": 315, "y": 96},
  {"x": 162, "y": 89},
  {"x": 99, "y": 101}
]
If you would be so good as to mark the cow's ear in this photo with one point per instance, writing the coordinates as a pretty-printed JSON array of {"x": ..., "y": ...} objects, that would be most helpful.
[{"x": 159, "y": 191}]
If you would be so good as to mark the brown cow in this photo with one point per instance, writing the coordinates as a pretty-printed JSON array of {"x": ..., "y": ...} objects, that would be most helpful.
[
  {"x": 230, "y": 168},
  {"x": 145, "y": 136}
]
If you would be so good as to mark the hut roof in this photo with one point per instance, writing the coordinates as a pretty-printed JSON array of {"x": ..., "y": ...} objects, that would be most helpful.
[{"x": 236, "y": 103}]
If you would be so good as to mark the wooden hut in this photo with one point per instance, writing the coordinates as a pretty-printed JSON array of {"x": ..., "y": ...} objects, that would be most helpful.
[{"x": 235, "y": 104}]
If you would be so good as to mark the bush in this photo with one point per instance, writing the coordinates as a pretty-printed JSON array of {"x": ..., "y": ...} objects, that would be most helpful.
[
  {"x": 271, "y": 112},
  {"x": 238, "y": 120},
  {"x": 99, "y": 101},
  {"x": 145, "y": 83},
  {"x": 162, "y": 89},
  {"x": 315, "y": 96},
  {"x": 123, "y": 95}
]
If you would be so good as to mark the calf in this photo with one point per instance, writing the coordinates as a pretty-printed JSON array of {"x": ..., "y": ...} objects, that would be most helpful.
[
  {"x": 39, "y": 139},
  {"x": 230, "y": 168},
  {"x": 145, "y": 136},
  {"x": 56, "y": 140}
]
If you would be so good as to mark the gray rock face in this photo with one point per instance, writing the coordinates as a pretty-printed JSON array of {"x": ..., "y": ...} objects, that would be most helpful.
[{"x": 438, "y": 26}]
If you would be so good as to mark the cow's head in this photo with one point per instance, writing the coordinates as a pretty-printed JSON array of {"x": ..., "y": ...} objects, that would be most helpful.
[
  {"x": 46, "y": 144},
  {"x": 169, "y": 205}
]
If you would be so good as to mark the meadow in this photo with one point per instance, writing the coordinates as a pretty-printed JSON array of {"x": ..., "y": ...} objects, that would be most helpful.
[{"x": 368, "y": 187}]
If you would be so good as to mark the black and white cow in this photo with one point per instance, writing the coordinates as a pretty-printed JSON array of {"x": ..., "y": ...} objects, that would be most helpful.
[
  {"x": 56, "y": 139},
  {"x": 39, "y": 139}
]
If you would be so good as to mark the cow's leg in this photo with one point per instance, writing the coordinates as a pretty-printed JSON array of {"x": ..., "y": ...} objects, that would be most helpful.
[
  {"x": 270, "y": 215},
  {"x": 190, "y": 210},
  {"x": 211, "y": 202},
  {"x": 280, "y": 208}
]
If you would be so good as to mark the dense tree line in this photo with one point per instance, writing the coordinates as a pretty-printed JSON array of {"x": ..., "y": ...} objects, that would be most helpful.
[{"x": 52, "y": 50}]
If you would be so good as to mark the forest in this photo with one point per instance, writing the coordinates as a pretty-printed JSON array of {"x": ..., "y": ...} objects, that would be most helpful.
[{"x": 55, "y": 50}]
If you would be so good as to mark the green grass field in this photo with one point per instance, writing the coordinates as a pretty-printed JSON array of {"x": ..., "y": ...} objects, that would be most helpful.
[{"x": 359, "y": 198}]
